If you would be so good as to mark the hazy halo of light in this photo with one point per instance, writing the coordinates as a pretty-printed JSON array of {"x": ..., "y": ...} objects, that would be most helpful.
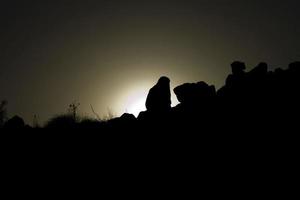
[
  {"x": 134, "y": 97},
  {"x": 136, "y": 102}
]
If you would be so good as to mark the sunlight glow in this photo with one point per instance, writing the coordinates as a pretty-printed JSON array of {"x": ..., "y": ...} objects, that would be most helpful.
[
  {"x": 134, "y": 97},
  {"x": 136, "y": 103}
]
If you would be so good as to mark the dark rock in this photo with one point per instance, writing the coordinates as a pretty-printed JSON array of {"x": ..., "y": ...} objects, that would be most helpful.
[
  {"x": 238, "y": 68},
  {"x": 15, "y": 123},
  {"x": 194, "y": 93},
  {"x": 125, "y": 122},
  {"x": 128, "y": 117},
  {"x": 295, "y": 66},
  {"x": 260, "y": 70}
]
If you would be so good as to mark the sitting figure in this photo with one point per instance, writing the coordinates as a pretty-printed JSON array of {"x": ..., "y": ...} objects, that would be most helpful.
[{"x": 159, "y": 96}]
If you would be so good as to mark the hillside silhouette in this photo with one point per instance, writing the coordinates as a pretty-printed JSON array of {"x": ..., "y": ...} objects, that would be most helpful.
[{"x": 258, "y": 101}]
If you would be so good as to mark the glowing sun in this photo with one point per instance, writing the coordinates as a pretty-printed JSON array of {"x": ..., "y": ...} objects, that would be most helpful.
[{"x": 136, "y": 103}]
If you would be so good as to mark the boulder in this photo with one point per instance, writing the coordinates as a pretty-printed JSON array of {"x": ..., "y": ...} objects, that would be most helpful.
[{"x": 194, "y": 93}]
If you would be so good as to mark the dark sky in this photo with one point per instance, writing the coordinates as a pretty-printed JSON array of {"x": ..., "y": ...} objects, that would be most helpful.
[{"x": 107, "y": 52}]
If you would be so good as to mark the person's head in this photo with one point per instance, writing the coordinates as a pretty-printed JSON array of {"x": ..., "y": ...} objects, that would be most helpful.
[{"x": 164, "y": 80}]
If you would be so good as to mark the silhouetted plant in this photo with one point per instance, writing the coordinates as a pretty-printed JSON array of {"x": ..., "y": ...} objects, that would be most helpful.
[
  {"x": 35, "y": 122},
  {"x": 110, "y": 115},
  {"x": 73, "y": 108},
  {"x": 96, "y": 114}
]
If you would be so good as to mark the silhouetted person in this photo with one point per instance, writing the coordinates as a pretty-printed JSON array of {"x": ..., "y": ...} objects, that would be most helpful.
[{"x": 159, "y": 96}]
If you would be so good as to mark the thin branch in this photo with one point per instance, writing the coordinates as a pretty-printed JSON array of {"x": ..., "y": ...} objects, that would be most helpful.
[{"x": 96, "y": 114}]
